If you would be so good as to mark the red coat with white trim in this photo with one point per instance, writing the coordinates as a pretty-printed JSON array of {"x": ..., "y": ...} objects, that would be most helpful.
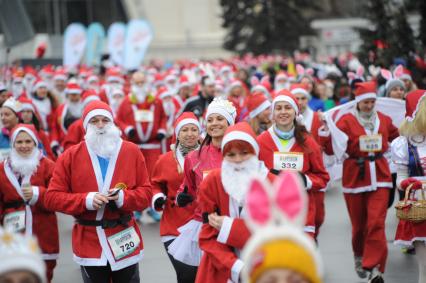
[
  {"x": 351, "y": 180},
  {"x": 166, "y": 179},
  {"x": 312, "y": 123},
  {"x": 313, "y": 166},
  {"x": 58, "y": 128},
  {"x": 220, "y": 263},
  {"x": 152, "y": 122},
  {"x": 43, "y": 222},
  {"x": 77, "y": 177}
]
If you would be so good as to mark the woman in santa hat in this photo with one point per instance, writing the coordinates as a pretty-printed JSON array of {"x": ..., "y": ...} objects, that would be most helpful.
[
  {"x": 259, "y": 112},
  {"x": 45, "y": 103},
  {"x": 166, "y": 178},
  {"x": 409, "y": 153},
  {"x": 29, "y": 115},
  {"x": 9, "y": 118},
  {"x": 366, "y": 179},
  {"x": 288, "y": 146},
  {"x": 24, "y": 178},
  {"x": 220, "y": 115},
  {"x": 222, "y": 198}
]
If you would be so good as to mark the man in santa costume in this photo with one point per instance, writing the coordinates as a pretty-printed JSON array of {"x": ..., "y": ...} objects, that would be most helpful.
[
  {"x": 312, "y": 122},
  {"x": 24, "y": 177},
  {"x": 259, "y": 112},
  {"x": 59, "y": 84},
  {"x": 66, "y": 114},
  {"x": 142, "y": 119},
  {"x": 184, "y": 91},
  {"x": 222, "y": 198},
  {"x": 366, "y": 179},
  {"x": 198, "y": 104},
  {"x": 100, "y": 182}
]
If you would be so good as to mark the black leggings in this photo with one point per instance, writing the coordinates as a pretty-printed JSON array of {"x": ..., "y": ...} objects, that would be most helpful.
[
  {"x": 392, "y": 192},
  {"x": 103, "y": 274},
  {"x": 184, "y": 273}
]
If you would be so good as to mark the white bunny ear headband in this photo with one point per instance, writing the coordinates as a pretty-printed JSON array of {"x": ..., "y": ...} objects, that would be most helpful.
[
  {"x": 277, "y": 212},
  {"x": 358, "y": 75}
]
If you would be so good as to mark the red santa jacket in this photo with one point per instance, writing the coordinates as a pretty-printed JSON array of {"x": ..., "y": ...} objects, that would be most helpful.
[
  {"x": 39, "y": 221},
  {"x": 77, "y": 178},
  {"x": 376, "y": 173},
  {"x": 166, "y": 179},
  {"x": 75, "y": 134},
  {"x": 58, "y": 129},
  {"x": 220, "y": 261},
  {"x": 151, "y": 117},
  {"x": 312, "y": 123}
]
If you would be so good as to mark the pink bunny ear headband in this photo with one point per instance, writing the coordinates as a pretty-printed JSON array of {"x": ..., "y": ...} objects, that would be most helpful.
[
  {"x": 277, "y": 212},
  {"x": 390, "y": 77},
  {"x": 302, "y": 72},
  {"x": 358, "y": 75}
]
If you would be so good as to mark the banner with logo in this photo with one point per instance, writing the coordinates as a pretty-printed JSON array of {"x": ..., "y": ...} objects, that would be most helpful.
[
  {"x": 116, "y": 41},
  {"x": 95, "y": 44},
  {"x": 74, "y": 44},
  {"x": 139, "y": 36}
]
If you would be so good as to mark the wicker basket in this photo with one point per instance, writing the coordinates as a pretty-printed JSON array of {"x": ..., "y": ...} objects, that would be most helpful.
[{"x": 411, "y": 210}]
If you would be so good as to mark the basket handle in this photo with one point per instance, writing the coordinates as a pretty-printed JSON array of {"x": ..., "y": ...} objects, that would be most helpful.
[{"x": 408, "y": 190}]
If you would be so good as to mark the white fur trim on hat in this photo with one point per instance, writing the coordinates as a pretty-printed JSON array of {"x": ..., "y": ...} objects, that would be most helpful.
[
  {"x": 302, "y": 91},
  {"x": 89, "y": 99},
  {"x": 96, "y": 112},
  {"x": 239, "y": 135},
  {"x": 259, "y": 109},
  {"x": 185, "y": 122},
  {"x": 39, "y": 85},
  {"x": 288, "y": 99},
  {"x": 23, "y": 129},
  {"x": 365, "y": 96},
  {"x": 27, "y": 106},
  {"x": 12, "y": 104}
]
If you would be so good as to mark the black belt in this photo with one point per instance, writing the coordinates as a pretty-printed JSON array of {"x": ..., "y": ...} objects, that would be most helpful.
[
  {"x": 360, "y": 161},
  {"x": 106, "y": 223},
  {"x": 14, "y": 204}
]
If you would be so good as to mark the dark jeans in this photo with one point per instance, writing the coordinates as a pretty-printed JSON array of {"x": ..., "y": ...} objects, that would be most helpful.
[
  {"x": 103, "y": 274},
  {"x": 184, "y": 273}
]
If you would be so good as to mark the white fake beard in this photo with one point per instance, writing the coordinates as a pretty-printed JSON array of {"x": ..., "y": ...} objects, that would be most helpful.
[
  {"x": 17, "y": 90},
  {"x": 103, "y": 142},
  {"x": 169, "y": 108},
  {"x": 76, "y": 109},
  {"x": 282, "y": 86},
  {"x": 25, "y": 166},
  {"x": 236, "y": 177},
  {"x": 140, "y": 93},
  {"x": 115, "y": 104}
]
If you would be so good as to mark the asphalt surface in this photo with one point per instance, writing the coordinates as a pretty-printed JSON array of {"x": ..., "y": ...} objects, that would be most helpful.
[{"x": 334, "y": 242}]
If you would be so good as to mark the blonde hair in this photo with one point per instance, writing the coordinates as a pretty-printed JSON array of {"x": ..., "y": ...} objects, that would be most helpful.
[{"x": 418, "y": 125}]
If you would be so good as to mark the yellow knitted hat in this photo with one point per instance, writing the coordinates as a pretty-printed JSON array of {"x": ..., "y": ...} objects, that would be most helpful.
[{"x": 285, "y": 254}]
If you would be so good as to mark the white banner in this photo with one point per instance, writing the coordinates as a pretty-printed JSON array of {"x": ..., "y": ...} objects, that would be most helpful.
[
  {"x": 139, "y": 36},
  {"x": 116, "y": 40},
  {"x": 74, "y": 44}
]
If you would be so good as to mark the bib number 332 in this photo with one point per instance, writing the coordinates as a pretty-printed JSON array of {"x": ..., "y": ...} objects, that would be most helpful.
[
  {"x": 124, "y": 243},
  {"x": 288, "y": 161}
]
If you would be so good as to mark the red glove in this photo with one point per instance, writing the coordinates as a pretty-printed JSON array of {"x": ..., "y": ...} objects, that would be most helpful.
[{"x": 417, "y": 185}]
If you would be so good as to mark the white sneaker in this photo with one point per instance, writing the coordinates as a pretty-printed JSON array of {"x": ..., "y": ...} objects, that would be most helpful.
[
  {"x": 362, "y": 273},
  {"x": 375, "y": 276}
]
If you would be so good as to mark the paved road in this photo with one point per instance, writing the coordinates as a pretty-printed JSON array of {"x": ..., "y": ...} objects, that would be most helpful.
[{"x": 335, "y": 246}]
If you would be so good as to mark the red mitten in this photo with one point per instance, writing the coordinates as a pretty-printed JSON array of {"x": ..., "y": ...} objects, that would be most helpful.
[{"x": 417, "y": 185}]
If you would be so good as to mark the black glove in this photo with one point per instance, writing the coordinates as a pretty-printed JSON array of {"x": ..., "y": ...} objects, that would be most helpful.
[
  {"x": 274, "y": 171},
  {"x": 303, "y": 177},
  {"x": 159, "y": 203},
  {"x": 56, "y": 150},
  {"x": 160, "y": 136},
  {"x": 131, "y": 133},
  {"x": 183, "y": 199}
]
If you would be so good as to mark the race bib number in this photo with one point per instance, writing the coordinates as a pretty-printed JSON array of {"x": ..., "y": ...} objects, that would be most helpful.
[
  {"x": 4, "y": 153},
  {"x": 370, "y": 143},
  {"x": 205, "y": 173},
  {"x": 124, "y": 243},
  {"x": 14, "y": 221},
  {"x": 144, "y": 116},
  {"x": 288, "y": 161}
]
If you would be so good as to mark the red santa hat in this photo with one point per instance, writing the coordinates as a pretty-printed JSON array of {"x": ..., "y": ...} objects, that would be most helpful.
[
  {"x": 234, "y": 83},
  {"x": 280, "y": 75},
  {"x": 89, "y": 96},
  {"x": 300, "y": 88},
  {"x": 365, "y": 90},
  {"x": 38, "y": 84},
  {"x": 163, "y": 92},
  {"x": 412, "y": 102},
  {"x": 60, "y": 75},
  {"x": 92, "y": 78},
  {"x": 286, "y": 96},
  {"x": 257, "y": 103},
  {"x": 95, "y": 108},
  {"x": 28, "y": 128},
  {"x": 26, "y": 104},
  {"x": 406, "y": 75},
  {"x": 12, "y": 104},
  {"x": 114, "y": 74},
  {"x": 241, "y": 132},
  {"x": 73, "y": 88},
  {"x": 183, "y": 82},
  {"x": 184, "y": 119}
]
